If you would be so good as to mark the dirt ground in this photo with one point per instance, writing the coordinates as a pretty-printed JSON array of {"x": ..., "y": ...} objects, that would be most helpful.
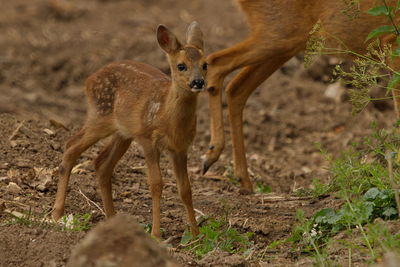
[{"x": 48, "y": 48}]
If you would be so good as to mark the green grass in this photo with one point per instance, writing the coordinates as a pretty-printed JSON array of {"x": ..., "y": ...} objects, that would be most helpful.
[
  {"x": 67, "y": 223},
  {"x": 76, "y": 223},
  {"x": 359, "y": 177},
  {"x": 217, "y": 234},
  {"x": 27, "y": 219},
  {"x": 261, "y": 187}
]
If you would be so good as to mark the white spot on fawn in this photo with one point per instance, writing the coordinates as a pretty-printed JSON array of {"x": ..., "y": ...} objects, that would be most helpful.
[{"x": 153, "y": 109}]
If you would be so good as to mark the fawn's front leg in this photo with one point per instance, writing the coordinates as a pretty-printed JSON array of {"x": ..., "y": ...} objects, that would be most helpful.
[
  {"x": 179, "y": 161},
  {"x": 154, "y": 180}
]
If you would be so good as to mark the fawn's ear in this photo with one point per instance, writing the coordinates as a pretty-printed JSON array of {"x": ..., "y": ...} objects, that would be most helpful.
[
  {"x": 167, "y": 40},
  {"x": 194, "y": 36}
]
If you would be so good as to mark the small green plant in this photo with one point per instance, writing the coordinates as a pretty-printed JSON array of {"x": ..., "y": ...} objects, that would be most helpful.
[
  {"x": 364, "y": 177},
  {"x": 261, "y": 187},
  {"x": 26, "y": 219},
  {"x": 76, "y": 223},
  {"x": 217, "y": 234},
  {"x": 363, "y": 166},
  {"x": 380, "y": 237},
  {"x": 369, "y": 69},
  {"x": 326, "y": 222},
  {"x": 316, "y": 190},
  {"x": 147, "y": 227}
]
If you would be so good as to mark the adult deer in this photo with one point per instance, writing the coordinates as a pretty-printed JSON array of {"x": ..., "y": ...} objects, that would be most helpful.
[
  {"x": 130, "y": 100},
  {"x": 279, "y": 29}
]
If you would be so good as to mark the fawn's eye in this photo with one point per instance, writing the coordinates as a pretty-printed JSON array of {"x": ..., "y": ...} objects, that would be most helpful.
[
  {"x": 181, "y": 67},
  {"x": 205, "y": 65}
]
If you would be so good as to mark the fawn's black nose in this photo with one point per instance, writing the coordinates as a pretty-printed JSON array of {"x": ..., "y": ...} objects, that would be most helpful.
[{"x": 197, "y": 84}]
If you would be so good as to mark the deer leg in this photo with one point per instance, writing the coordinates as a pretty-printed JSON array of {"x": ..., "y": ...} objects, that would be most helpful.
[
  {"x": 238, "y": 91},
  {"x": 74, "y": 148},
  {"x": 252, "y": 51},
  {"x": 105, "y": 163},
  {"x": 179, "y": 161},
  {"x": 154, "y": 180}
]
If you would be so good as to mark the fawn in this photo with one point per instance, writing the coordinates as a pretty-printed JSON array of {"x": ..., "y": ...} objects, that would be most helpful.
[
  {"x": 279, "y": 29},
  {"x": 129, "y": 100}
]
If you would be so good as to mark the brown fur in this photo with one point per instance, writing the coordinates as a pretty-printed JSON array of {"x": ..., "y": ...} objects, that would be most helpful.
[
  {"x": 132, "y": 100},
  {"x": 279, "y": 29}
]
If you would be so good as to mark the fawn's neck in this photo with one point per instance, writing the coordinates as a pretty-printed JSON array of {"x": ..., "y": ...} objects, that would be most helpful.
[{"x": 181, "y": 104}]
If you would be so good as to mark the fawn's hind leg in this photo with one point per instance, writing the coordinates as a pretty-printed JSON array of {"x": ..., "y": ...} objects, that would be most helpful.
[
  {"x": 105, "y": 163},
  {"x": 75, "y": 146}
]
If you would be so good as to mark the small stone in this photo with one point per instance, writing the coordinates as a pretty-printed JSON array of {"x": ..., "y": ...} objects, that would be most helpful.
[
  {"x": 49, "y": 132},
  {"x": 335, "y": 91},
  {"x": 306, "y": 169},
  {"x": 13, "y": 187},
  {"x": 128, "y": 200},
  {"x": 13, "y": 143}
]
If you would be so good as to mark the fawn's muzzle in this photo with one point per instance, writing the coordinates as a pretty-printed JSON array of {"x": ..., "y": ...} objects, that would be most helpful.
[{"x": 197, "y": 84}]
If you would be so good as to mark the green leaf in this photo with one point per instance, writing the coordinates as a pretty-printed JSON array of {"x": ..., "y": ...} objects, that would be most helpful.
[
  {"x": 396, "y": 53},
  {"x": 325, "y": 216},
  {"x": 394, "y": 81},
  {"x": 365, "y": 211},
  {"x": 380, "y": 10},
  {"x": 389, "y": 212},
  {"x": 398, "y": 39},
  {"x": 372, "y": 194},
  {"x": 381, "y": 30},
  {"x": 186, "y": 237},
  {"x": 398, "y": 5}
]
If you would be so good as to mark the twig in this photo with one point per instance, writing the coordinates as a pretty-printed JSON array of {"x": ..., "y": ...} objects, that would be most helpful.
[
  {"x": 250, "y": 255},
  {"x": 200, "y": 212},
  {"x": 79, "y": 166},
  {"x": 391, "y": 180},
  {"x": 138, "y": 168},
  {"x": 190, "y": 243},
  {"x": 16, "y": 130},
  {"x": 91, "y": 202},
  {"x": 391, "y": 18},
  {"x": 13, "y": 202},
  {"x": 58, "y": 124},
  {"x": 170, "y": 239},
  {"x": 280, "y": 198}
]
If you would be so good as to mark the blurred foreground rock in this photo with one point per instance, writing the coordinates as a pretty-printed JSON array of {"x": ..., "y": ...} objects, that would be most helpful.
[
  {"x": 121, "y": 242},
  {"x": 390, "y": 259}
]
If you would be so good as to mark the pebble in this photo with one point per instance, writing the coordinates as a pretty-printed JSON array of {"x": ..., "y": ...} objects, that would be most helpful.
[
  {"x": 13, "y": 187},
  {"x": 49, "y": 132}
]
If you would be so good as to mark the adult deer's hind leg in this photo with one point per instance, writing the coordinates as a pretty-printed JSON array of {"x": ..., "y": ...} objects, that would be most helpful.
[
  {"x": 250, "y": 52},
  {"x": 238, "y": 91},
  {"x": 105, "y": 163},
  {"x": 222, "y": 63}
]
